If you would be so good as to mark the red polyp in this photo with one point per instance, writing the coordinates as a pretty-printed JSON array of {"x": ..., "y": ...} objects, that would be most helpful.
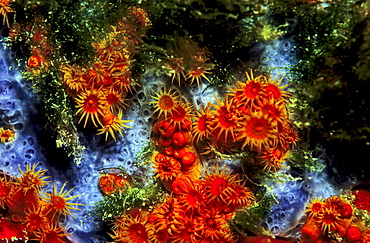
[
  {"x": 180, "y": 138},
  {"x": 165, "y": 141},
  {"x": 353, "y": 233},
  {"x": 168, "y": 151},
  {"x": 166, "y": 128},
  {"x": 188, "y": 159}
]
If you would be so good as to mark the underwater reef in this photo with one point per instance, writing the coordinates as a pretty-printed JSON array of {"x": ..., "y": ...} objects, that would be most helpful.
[{"x": 185, "y": 121}]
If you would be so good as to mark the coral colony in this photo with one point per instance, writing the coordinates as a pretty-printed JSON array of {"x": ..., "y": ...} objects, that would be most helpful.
[{"x": 184, "y": 121}]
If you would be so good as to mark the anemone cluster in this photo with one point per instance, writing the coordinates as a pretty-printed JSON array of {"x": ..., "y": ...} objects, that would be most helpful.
[
  {"x": 255, "y": 117},
  {"x": 334, "y": 215},
  {"x": 31, "y": 213},
  {"x": 99, "y": 90},
  {"x": 181, "y": 121},
  {"x": 188, "y": 63},
  {"x": 176, "y": 154},
  {"x": 196, "y": 211}
]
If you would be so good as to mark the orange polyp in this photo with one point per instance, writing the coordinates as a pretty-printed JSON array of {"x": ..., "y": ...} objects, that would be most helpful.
[
  {"x": 137, "y": 233},
  {"x": 108, "y": 118},
  {"x": 6, "y": 135},
  {"x": 165, "y": 101},
  {"x": 7, "y": 189},
  {"x": 335, "y": 202},
  {"x": 333, "y": 215},
  {"x": 186, "y": 232},
  {"x": 35, "y": 218},
  {"x": 32, "y": 179},
  {"x": 165, "y": 215},
  {"x": 34, "y": 61},
  {"x": 201, "y": 127},
  {"x": 210, "y": 224},
  {"x": 113, "y": 124},
  {"x": 191, "y": 199},
  {"x": 74, "y": 77},
  {"x": 166, "y": 168},
  {"x": 252, "y": 90},
  {"x": 248, "y": 93},
  {"x": 197, "y": 73},
  {"x": 315, "y": 207},
  {"x": 158, "y": 157},
  {"x": 259, "y": 132},
  {"x": 216, "y": 185},
  {"x": 59, "y": 200},
  {"x": 328, "y": 219},
  {"x": 176, "y": 66},
  {"x": 273, "y": 158},
  {"x": 90, "y": 104},
  {"x": 182, "y": 184},
  {"x": 241, "y": 196},
  {"x": 182, "y": 114},
  {"x": 226, "y": 118},
  {"x": 51, "y": 234},
  {"x": 274, "y": 109},
  {"x": 115, "y": 100},
  {"x": 311, "y": 230},
  {"x": 291, "y": 137},
  {"x": 273, "y": 90}
]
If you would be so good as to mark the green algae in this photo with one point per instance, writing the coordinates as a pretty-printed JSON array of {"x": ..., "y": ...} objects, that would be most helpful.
[
  {"x": 247, "y": 221},
  {"x": 328, "y": 78},
  {"x": 131, "y": 196},
  {"x": 58, "y": 112}
]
